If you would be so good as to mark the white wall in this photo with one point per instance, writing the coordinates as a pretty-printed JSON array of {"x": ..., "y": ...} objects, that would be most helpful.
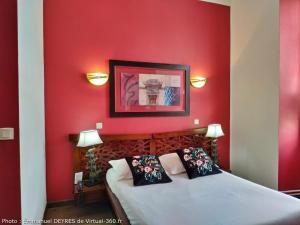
[
  {"x": 255, "y": 90},
  {"x": 31, "y": 107}
]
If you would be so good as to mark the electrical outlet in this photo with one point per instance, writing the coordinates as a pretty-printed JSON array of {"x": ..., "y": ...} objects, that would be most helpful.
[
  {"x": 196, "y": 122},
  {"x": 99, "y": 126}
]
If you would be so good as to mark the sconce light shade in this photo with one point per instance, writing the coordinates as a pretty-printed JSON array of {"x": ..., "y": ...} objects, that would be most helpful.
[
  {"x": 214, "y": 131},
  {"x": 97, "y": 78},
  {"x": 89, "y": 138},
  {"x": 198, "y": 82}
]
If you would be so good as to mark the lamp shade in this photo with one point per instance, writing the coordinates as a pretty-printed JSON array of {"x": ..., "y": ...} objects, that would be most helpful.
[
  {"x": 97, "y": 78},
  {"x": 89, "y": 138},
  {"x": 214, "y": 131},
  {"x": 198, "y": 82}
]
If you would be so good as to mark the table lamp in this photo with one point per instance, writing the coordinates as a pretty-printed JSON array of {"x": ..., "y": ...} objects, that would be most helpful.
[
  {"x": 90, "y": 138},
  {"x": 214, "y": 131}
]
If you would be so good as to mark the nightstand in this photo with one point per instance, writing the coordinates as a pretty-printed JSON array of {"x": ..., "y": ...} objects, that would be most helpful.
[{"x": 92, "y": 194}]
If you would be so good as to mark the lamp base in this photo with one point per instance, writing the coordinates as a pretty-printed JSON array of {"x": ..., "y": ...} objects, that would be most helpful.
[{"x": 214, "y": 148}]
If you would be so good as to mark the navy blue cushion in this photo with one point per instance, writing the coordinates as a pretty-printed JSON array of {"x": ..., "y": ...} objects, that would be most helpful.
[
  {"x": 197, "y": 163},
  {"x": 147, "y": 169}
]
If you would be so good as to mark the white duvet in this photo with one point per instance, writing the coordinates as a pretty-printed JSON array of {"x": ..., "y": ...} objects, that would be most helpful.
[{"x": 221, "y": 199}]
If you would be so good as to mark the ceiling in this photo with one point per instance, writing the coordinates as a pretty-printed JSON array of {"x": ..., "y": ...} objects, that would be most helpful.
[{"x": 222, "y": 2}]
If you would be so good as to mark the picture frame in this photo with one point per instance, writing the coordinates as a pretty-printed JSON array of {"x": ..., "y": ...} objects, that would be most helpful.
[{"x": 140, "y": 89}]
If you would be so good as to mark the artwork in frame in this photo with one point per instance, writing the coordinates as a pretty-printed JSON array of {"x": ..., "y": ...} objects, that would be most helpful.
[{"x": 148, "y": 89}]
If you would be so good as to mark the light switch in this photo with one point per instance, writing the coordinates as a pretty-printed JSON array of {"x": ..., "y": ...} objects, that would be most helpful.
[
  {"x": 6, "y": 133},
  {"x": 196, "y": 122},
  {"x": 99, "y": 126}
]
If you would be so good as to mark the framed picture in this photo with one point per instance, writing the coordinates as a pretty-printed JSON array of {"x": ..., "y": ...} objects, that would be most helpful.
[{"x": 148, "y": 89}]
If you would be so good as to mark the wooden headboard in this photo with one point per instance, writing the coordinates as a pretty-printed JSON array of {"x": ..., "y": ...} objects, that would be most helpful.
[{"x": 120, "y": 146}]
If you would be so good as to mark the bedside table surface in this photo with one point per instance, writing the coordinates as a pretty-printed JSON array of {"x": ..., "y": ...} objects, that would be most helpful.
[{"x": 97, "y": 187}]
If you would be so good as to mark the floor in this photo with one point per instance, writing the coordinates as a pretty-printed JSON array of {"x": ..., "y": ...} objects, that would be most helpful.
[{"x": 96, "y": 213}]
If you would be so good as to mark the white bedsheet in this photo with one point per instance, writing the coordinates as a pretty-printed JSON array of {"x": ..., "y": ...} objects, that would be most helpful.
[{"x": 221, "y": 199}]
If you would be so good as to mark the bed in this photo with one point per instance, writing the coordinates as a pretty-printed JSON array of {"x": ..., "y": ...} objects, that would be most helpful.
[{"x": 220, "y": 199}]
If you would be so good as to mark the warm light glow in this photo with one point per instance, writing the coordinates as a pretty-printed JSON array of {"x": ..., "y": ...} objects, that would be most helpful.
[
  {"x": 198, "y": 82},
  {"x": 97, "y": 78},
  {"x": 214, "y": 131},
  {"x": 89, "y": 138}
]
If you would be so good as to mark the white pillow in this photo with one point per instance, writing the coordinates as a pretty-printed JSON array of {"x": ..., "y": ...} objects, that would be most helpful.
[
  {"x": 172, "y": 163},
  {"x": 121, "y": 169}
]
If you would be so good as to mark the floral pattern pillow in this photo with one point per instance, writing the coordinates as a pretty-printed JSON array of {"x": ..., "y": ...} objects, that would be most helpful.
[
  {"x": 197, "y": 163},
  {"x": 147, "y": 169}
]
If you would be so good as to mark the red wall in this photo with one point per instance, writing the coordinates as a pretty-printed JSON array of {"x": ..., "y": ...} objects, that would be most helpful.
[
  {"x": 9, "y": 160},
  {"x": 81, "y": 36},
  {"x": 289, "y": 132}
]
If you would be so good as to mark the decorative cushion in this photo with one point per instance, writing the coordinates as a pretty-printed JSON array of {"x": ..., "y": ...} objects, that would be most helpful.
[
  {"x": 147, "y": 169},
  {"x": 197, "y": 163},
  {"x": 172, "y": 163},
  {"x": 121, "y": 169}
]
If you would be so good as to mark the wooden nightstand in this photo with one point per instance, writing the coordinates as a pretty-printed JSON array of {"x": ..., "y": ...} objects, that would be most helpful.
[{"x": 92, "y": 194}]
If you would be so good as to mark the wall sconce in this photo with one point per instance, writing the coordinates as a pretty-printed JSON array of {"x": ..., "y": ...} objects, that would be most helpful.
[
  {"x": 198, "y": 82},
  {"x": 97, "y": 78}
]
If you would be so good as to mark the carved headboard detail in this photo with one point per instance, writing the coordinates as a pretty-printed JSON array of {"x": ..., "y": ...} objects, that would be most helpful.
[{"x": 119, "y": 146}]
